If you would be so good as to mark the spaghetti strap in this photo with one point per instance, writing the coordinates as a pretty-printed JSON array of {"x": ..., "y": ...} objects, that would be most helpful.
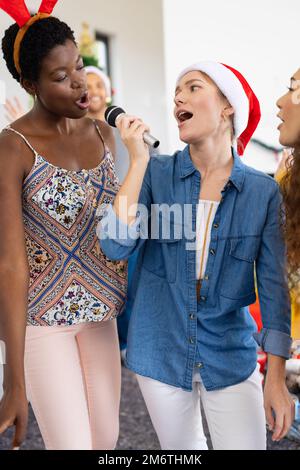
[
  {"x": 8, "y": 128},
  {"x": 99, "y": 132}
]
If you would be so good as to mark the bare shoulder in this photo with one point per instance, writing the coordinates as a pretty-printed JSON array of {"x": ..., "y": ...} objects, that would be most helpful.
[
  {"x": 108, "y": 135},
  {"x": 12, "y": 240},
  {"x": 7, "y": 139},
  {"x": 88, "y": 127},
  {"x": 11, "y": 182},
  {"x": 106, "y": 131},
  {"x": 11, "y": 161}
]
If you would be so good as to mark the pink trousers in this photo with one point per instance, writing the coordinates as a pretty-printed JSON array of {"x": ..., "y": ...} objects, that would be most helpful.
[{"x": 73, "y": 382}]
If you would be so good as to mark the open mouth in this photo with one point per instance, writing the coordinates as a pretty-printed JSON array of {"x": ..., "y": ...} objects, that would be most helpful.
[
  {"x": 83, "y": 102},
  {"x": 282, "y": 121},
  {"x": 183, "y": 116},
  {"x": 280, "y": 118}
]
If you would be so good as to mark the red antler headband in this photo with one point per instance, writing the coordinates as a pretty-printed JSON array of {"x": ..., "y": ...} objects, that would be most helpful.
[{"x": 18, "y": 10}]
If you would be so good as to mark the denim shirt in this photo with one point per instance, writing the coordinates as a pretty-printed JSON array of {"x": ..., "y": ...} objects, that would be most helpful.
[{"x": 172, "y": 334}]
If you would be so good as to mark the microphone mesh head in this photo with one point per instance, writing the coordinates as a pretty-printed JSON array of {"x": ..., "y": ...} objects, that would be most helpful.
[{"x": 112, "y": 113}]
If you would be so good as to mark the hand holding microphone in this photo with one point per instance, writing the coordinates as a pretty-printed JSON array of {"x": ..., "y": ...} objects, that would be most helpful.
[{"x": 134, "y": 132}]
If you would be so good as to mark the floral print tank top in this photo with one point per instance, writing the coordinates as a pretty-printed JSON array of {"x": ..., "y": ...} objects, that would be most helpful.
[{"x": 71, "y": 280}]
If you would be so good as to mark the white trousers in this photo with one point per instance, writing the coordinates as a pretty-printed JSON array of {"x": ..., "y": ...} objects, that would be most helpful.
[{"x": 235, "y": 414}]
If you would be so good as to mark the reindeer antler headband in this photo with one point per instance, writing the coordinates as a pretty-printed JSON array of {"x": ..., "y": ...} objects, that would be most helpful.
[{"x": 18, "y": 10}]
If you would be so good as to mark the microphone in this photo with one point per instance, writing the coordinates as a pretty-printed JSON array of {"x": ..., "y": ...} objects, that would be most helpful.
[{"x": 111, "y": 115}]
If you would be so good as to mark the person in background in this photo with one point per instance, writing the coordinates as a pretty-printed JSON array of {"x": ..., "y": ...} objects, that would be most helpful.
[
  {"x": 101, "y": 96},
  {"x": 14, "y": 109}
]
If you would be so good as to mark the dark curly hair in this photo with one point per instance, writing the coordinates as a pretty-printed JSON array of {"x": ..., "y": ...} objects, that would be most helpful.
[
  {"x": 39, "y": 40},
  {"x": 290, "y": 215}
]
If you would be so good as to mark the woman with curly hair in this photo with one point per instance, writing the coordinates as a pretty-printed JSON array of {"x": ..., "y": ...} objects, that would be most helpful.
[
  {"x": 289, "y": 106},
  {"x": 59, "y": 294},
  {"x": 289, "y": 177}
]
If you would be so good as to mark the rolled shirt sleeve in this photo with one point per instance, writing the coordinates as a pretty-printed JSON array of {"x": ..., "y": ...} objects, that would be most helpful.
[{"x": 274, "y": 342}]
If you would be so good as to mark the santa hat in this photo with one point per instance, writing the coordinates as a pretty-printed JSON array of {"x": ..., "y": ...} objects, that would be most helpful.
[
  {"x": 103, "y": 76},
  {"x": 239, "y": 94}
]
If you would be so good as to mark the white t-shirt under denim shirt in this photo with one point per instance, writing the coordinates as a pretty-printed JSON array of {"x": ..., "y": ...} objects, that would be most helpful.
[{"x": 205, "y": 217}]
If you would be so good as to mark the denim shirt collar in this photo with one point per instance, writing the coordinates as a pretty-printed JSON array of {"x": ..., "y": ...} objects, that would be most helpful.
[{"x": 237, "y": 177}]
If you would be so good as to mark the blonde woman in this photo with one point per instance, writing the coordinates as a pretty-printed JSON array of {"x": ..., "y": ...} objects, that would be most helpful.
[{"x": 191, "y": 337}]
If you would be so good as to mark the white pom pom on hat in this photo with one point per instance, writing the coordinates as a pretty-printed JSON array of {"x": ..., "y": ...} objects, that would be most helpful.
[
  {"x": 103, "y": 76},
  {"x": 239, "y": 94}
]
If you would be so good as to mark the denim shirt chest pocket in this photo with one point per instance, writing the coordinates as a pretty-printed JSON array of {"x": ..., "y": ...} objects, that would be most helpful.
[
  {"x": 237, "y": 278},
  {"x": 161, "y": 254}
]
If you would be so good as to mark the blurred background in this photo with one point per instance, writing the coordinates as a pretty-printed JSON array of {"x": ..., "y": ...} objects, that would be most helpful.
[{"x": 143, "y": 45}]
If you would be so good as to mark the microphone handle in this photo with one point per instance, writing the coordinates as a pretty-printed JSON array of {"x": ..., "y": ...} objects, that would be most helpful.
[{"x": 148, "y": 138}]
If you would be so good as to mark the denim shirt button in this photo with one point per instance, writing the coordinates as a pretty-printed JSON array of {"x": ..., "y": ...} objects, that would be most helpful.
[
  {"x": 199, "y": 365},
  {"x": 216, "y": 225},
  {"x": 212, "y": 252},
  {"x": 192, "y": 316},
  {"x": 192, "y": 341},
  {"x": 206, "y": 277},
  {"x": 203, "y": 298}
]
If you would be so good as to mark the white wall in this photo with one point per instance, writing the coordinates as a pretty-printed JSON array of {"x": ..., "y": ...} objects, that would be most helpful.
[
  {"x": 262, "y": 159},
  {"x": 259, "y": 38}
]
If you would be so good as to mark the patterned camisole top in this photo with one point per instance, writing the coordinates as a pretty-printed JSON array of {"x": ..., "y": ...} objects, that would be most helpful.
[{"x": 71, "y": 280}]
